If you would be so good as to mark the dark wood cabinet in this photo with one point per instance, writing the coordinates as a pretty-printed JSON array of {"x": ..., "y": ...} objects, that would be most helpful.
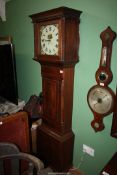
[
  {"x": 111, "y": 167},
  {"x": 114, "y": 121},
  {"x": 56, "y": 43},
  {"x": 15, "y": 128}
]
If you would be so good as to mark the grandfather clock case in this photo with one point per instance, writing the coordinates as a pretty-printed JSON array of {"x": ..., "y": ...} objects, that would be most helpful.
[{"x": 56, "y": 43}]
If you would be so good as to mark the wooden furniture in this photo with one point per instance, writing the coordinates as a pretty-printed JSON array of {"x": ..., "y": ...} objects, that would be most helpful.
[
  {"x": 101, "y": 98},
  {"x": 5, "y": 39},
  {"x": 114, "y": 121},
  {"x": 111, "y": 167},
  {"x": 15, "y": 129},
  {"x": 56, "y": 43},
  {"x": 11, "y": 151}
]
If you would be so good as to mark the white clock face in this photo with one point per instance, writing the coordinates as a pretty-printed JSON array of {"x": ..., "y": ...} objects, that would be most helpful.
[
  {"x": 49, "y": 39},
  {"x": 100, "y": 100}
]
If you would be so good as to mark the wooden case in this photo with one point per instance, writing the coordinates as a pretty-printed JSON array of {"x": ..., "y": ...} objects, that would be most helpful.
[
  {"x": 14, "y": 128},
  {"x": 114, "y": 122},
  {"x": 55, "y": 137},
  {"x": 111, "y": 167}
]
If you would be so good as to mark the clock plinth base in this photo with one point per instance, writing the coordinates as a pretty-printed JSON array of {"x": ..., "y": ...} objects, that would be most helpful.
[{"x": 55, "y": 150}]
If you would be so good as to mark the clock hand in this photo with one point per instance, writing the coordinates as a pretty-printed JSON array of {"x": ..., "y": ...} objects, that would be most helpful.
[
  {"x": 104, "y": 96},
  {"x": 99, "y": 100}
]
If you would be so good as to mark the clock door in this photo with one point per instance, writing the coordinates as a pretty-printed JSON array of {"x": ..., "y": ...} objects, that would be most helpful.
[
  {"x": 57, "y": 86},
  {"x": 51, "y": 103},
  {"x": 51, "y": 86},
  {"x": 47, "y": 41}
]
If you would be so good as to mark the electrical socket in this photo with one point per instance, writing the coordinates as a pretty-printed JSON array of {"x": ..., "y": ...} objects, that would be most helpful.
[{"x": 88, "y": 150}]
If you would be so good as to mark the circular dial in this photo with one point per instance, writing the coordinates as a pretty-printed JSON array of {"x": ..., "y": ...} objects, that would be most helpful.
[
  {"x": 49, "y": 39},
  {"x": 101, "y": 99},
  {"x": 103, "y": 76}
]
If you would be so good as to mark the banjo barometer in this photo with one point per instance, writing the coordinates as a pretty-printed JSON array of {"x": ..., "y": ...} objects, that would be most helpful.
[{"x": 100, "y": 97}]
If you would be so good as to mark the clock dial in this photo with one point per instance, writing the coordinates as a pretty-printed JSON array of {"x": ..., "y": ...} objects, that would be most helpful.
[
  {"x": 103, "y": 76},
  {"x": 49, "y": 39},
  {"x": 100, "y": 100}
]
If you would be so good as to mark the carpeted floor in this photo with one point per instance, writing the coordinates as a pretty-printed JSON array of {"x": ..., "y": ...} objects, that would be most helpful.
[{"x": 46, "y": 171}]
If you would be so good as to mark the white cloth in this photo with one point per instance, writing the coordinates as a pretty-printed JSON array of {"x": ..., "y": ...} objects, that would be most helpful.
[
  {"x": 10, "y": 108},
  {"x": 2, "y": 9}
]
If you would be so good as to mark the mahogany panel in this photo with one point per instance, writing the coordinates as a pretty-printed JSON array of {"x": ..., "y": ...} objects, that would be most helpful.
[
  {"x": 14, "y": 128},
  {"x": 111, "y": 167},
  {"x": 57, "y": 86},
  {"x": 55, "y": 150},
  {"x": 114, "y": 121}
]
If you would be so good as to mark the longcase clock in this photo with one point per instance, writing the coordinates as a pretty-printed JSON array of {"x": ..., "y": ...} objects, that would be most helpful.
[{"x": 56, "y": 43}]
